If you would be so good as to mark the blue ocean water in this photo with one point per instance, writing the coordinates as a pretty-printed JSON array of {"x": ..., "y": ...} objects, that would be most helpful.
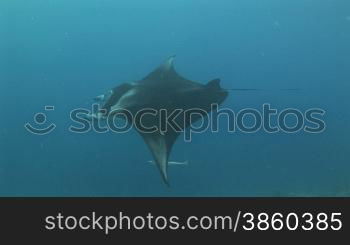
[{"x": 63, "y": 53}]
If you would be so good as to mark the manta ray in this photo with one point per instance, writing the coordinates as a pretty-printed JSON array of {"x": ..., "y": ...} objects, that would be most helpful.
[{"x": 162, "y": 89}]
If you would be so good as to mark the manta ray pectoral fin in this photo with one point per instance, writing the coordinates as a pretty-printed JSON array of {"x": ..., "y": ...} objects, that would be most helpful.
[
  {"x": 215, "y": 84},
  {"x": 169, "y": 63},
  {"x": 164, "y": 70},
  {"x": 157, "y": 145},
  {"x": 160, "y": 146}
]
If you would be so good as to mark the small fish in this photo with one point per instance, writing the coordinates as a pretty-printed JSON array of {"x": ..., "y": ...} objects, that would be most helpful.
[{"x": 171, "y": 162}]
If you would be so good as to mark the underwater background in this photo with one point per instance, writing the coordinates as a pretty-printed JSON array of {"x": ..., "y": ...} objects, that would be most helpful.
[{"x": 64, "y": 53}]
